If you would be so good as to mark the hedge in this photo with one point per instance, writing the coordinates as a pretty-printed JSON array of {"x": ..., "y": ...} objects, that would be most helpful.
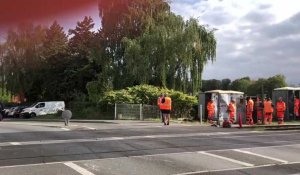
[{"x": 182, "y": 104}]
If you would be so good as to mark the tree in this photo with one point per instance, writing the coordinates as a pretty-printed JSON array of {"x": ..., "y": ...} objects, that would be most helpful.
[
  {"x": 56, "y": 41},
  {"x": 241, "y": 84},
  {"x": 225, "y": 84},
  {"x": 23, "y": 58},
  {"x": 56, "y": 60},
  {"x": 82, "y": 37},
  {"x": 172, "y": 52},
  {"x": 211, "y": 85},
  {"x": 82, "y": 68},
  {"x": 2, "y": 75},
  {"x": 125, "y": 18}
]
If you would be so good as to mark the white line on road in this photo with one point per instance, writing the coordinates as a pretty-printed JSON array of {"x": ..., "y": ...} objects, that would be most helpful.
[
  {"x": 90, "y": 128},
  {"x": 226, "y": 158},
  {"x": 39, "y": 142},
  {"x": 259, "y": 155},
  {"x": 15, "y": 143},
  {"x": 222, "y": 170},
  {"x": 78, "y": 168},
  {"x": 66, "y": 129}
]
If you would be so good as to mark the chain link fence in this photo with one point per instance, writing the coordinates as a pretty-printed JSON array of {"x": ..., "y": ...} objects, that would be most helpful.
[
  {"x": 88, "y": 110},
  {"x": 136, "y": 112}
]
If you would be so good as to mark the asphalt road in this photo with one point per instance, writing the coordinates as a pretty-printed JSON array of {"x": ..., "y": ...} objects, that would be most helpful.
[{"x": 144, "y": 148}]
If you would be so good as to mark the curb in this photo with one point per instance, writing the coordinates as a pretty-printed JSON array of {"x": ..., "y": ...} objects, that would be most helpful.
[{"x": 273, "y": 127}]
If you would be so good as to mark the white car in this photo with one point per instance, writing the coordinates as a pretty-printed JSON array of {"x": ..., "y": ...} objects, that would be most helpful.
[{"x": 43, "y": 108}]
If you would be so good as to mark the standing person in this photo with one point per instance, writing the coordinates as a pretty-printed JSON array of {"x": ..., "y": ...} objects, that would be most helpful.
[
  {"x": 296, "y": 107},
  {"x": 259, "y": 110},
  {"x": 280, "y": 109},
  {"x": 268, "y": 109},
  {"x": 249, "y": 111},
  {"x": 66, "y": 115},
  {"x": 159, "y": 102},
  {"x": 231, "y": 109},
  {"x": 211, "y": 111},
  {"x": 166, "y": 107}
]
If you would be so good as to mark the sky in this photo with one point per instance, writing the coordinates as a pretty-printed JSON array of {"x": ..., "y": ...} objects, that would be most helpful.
[{"x": 256, "y": 38}]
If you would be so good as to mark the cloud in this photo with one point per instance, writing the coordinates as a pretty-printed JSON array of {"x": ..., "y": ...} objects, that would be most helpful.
[
  {"x": 258, "y": 17},
  {"x": 256, "y": 38},
  {"x": 284, "y": 29},
  {"x": 217, "y": 17}
]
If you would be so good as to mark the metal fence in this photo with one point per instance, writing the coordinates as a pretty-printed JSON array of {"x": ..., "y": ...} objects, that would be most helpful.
[
  {"x": 136, "y": 112},
  {"x": 88, "y": 110}
]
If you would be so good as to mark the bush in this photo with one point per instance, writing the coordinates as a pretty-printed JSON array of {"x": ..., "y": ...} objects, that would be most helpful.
[{"x": 182, "y": 104}]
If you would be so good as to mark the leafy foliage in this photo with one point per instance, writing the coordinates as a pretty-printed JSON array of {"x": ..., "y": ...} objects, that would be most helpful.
[
  {"x": 250, "y": 87},
  {"x": 182, "y": 104},
  {"x": 139, "y": 42}
]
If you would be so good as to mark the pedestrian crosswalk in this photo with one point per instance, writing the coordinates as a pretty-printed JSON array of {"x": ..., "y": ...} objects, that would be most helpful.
[{"x": 185, "y": 163}]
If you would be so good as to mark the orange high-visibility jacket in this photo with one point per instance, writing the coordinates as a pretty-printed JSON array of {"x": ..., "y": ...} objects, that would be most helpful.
[
  {"x": 159, "y": 101},
  {"x": 231, "y": 109},
  {"x": 250, "y": 105},
  {"x": 210, "y": 106},
  {"x": 167, "y": 105},
  {"x": 280, "y": 106},
  {"x": 268, "y": 107},
  {"x": 297, "y": 103}
]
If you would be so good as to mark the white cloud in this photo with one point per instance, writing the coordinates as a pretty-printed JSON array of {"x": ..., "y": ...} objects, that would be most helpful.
[{"x": 256, "y": 38}]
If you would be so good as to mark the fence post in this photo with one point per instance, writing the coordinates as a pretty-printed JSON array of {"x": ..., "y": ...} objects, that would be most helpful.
[
  {"x": 200, "y": 110},
  {"x": 141, "y": 112},
  {"x": 115, "y": 111}
]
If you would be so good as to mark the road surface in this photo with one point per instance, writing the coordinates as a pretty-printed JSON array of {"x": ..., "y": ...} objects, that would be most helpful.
[{"x": 133, "y": 147}]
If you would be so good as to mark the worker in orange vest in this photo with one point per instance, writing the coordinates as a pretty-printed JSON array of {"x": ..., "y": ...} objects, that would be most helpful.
[
  {"x": 249, "y": 112},
  {"x": 259, "y": 110},
  {"x": 166, "y": 107},
  {"x": 231, "y": 109},
  {"x": 268, "y": 109},
  {"x": 280, "y": 109},
  {"x": 211, "y": 111},
  {"x": 296, "y": 107},
  {"x": 159, "y": 105}
]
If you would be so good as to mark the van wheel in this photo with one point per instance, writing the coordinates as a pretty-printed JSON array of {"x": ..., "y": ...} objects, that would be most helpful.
[{"x": 32, "y": 115}]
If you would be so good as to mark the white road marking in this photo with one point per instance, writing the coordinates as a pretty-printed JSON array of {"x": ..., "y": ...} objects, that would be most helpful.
[
  {"x": 39, "y": 142},
  {"x": 150, "y": 136},
  {"x": 79, "y": 169},
  {"x": 259, "y": 155},
  {"x": 114, "y": 158},
  {"x": 66, "y": 129},
  {"x": 226, "y": 158},
  {"x": 15, "y": 143},
  {"x": 115, "y": 138},
  {"x": 222, "y": 170},
  {"x": 90, "y": 128}
]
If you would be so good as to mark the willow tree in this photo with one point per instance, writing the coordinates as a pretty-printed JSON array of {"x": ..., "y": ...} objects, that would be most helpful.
[
  {"x": 125, "y": 18},
  {"x": 170, "y": 53},
  {"x": 148, "y": 44}
]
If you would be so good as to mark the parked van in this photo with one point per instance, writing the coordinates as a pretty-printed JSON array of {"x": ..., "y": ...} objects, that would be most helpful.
[{"x": 43, "y": 108}]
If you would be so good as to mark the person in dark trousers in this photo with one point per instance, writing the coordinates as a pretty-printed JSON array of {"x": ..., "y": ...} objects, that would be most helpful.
[
  {"x": 159, "y": 102},
  {"x": 166, "y": 107},
  {"x": 280, "y": 110}
]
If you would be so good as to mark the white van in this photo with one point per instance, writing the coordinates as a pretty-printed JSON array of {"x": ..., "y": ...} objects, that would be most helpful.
[{"x": 43, "y": 108}]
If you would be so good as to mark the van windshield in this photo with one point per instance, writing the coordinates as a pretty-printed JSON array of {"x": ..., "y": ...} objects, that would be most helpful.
[{"x": 32, "y": 105}]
